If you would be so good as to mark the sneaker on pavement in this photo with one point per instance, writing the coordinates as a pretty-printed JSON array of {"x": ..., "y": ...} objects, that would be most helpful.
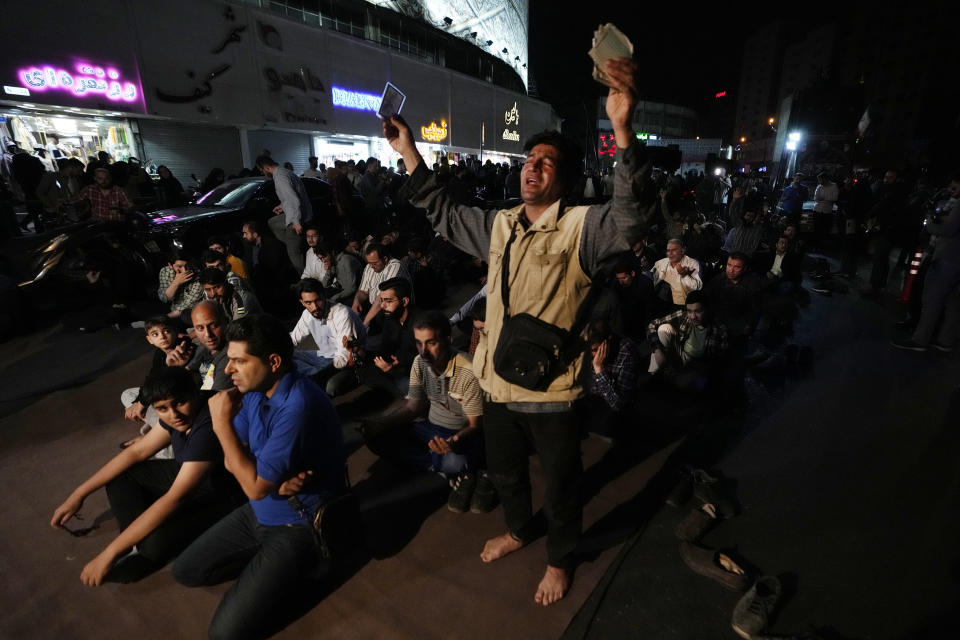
[
  {"x": 461, "y": 491},
  {"x": 484, "y": 498},
  {"x": 908, "y": 345},
  {"x": 752, "y": 612}
]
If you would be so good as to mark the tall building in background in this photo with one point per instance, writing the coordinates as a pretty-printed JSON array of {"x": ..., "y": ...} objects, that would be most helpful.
[
  {"x": 870, "y": 82},
  {"x": 757, "y": 98},
  {"x": 498, "y": 27}
]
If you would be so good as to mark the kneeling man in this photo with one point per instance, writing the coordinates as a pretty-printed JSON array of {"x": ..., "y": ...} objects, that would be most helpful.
[{"x": 273, "y": 424}]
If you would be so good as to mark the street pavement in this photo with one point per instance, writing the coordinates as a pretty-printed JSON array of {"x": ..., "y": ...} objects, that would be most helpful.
[{"x": 847, "y": 481}]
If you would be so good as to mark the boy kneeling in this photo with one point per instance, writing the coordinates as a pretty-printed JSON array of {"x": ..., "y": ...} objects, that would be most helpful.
[{"x": 161, "y": 505}]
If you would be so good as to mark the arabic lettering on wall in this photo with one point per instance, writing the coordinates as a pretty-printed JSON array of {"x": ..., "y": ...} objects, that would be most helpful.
[
  {"x": 87, "y": 80},
  {"x": 433, "y": 132},
  {"x": 511, "y": 116},
  {"x": 204, "y": 90},
  {"x": 302, "y": 79}
]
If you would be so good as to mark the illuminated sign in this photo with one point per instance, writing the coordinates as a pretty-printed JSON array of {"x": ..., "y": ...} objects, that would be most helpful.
[
  {"x": 511, "y": 116},
  {"x": 608, "y": 145},
  {"x": 646, "y": 136},
  {"x": 721, "y": 94},
  {"x": 87, "y": 80},
  {"x": 348, "y": 99},
  {"x": 434, "y": 133}
]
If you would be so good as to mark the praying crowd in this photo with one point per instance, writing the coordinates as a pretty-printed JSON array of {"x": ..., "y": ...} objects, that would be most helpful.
[{"x": 592, "y": 305}]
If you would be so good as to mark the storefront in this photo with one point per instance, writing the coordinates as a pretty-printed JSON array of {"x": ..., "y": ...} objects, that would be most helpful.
[
  {"x": 128, "y": 81},
  {"x": 53, "y": 133}
]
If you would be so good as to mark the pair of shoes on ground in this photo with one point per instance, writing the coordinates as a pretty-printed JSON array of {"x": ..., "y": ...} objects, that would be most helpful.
[
  {"x": 751, "y": 615},
  {"x": 472, "y": 491}
]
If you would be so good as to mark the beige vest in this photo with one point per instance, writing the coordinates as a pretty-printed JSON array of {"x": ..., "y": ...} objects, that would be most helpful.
[{"x": 546, "y": 281}]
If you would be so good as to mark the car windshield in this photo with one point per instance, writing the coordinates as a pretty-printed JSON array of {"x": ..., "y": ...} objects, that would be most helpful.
[{"x": 230, "y": 194}]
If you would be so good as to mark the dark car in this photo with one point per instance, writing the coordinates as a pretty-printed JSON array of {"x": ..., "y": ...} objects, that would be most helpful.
[
  {"x": 223, "y": 211},
  {"x": 49, "y": 271}
]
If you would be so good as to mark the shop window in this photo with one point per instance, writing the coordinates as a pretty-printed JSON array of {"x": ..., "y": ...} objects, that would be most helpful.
[{"x": 78, "y": 137}]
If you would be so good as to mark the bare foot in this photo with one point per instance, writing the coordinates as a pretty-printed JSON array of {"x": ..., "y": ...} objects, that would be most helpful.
[
  {"x": 554, "y": 586},
  {"x": 502, "y": 545}
]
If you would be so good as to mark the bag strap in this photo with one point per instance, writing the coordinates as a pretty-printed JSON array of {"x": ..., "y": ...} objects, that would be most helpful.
[
  {"x": 505, "y": 266},
  {"x": 580, "y": 320},
  {"x": 505, "y": 274}
]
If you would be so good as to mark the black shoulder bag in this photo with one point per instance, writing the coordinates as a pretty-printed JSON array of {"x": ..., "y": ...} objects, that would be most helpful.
[
  {"x": 531, "y": 353},
  {"x": 336, "y": 525}
]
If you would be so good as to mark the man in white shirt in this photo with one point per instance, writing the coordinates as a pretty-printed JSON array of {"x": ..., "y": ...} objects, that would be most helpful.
[
  {"x": 313, "y": 171},
  {"x": 313, "y": 263},
  {"x": 380, "y": 268},
  {"x": 678, "y": 270},
  {"x": 294, "y": 209},
  {"x": 825, "y": 197},
  {"x": 336, "y": 330}
]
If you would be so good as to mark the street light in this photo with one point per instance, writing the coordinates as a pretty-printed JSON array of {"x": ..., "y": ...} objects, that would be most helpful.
[
  {"x": 743, "y": 139},
  {"x": 793, "y": 140},
  {"x": 770, "y": 121}
]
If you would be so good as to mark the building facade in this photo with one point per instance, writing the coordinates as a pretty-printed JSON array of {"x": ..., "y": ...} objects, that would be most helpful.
[{"x": 207, "y": 84}]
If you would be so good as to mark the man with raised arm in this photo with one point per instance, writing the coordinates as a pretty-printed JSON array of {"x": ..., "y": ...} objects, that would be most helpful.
[{"x": 555, "y": 251}]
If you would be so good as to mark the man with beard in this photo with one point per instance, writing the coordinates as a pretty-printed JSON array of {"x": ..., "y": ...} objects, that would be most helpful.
[
  {"x": 336, "y": 330},
  {"x": 270, "y": 268},
  {"x": 389, "y": 369},
  {"x": 234, "y": 301},
  {"x": 746, "y": 237},
  {"x": 315, "y": 267}
]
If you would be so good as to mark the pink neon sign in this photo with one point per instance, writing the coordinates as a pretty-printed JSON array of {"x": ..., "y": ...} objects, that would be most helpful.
[{"x": 87, "y": 80}]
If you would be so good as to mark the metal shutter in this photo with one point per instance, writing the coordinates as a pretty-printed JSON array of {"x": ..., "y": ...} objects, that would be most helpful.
[
  {"x": 294, "y": 148},
  {"x": 191, "y": 148}
]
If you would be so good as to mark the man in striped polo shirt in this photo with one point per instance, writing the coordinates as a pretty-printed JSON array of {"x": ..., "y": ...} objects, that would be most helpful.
[{"x": 442, "y": 385}]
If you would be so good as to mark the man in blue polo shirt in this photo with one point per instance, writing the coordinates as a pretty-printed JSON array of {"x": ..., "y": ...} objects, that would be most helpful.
[{"x": 285, "y": 424}]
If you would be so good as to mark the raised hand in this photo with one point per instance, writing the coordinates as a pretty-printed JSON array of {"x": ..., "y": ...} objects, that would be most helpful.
[{"x": 622, "y": 97}]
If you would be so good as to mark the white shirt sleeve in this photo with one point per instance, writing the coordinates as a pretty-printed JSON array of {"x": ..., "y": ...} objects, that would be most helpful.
[
  {"x": 691, "y": 282},
  {"x": 343, "y": 321},
  {"x": 314, "y": 267},
  {"x": 302, "y": 330},
  {"x": 366, "y": 280}
]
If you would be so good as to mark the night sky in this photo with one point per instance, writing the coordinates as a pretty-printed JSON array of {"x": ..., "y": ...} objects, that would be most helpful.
[{"x": 687, "y": 54}]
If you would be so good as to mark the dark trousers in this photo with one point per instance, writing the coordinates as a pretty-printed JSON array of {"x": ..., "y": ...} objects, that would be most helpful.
[
  {"x": 133, "y": 491},
  {"x": 509, "y": 437},
  {"x": 882, "y": 246},
  {"x": 271, "y": 562}
]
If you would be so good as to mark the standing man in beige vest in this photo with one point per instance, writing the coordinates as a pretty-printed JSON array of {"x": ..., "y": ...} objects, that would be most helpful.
[{"x": 554, "y": 252}]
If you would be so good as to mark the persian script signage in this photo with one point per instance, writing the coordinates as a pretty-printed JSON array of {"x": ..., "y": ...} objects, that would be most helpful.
[
  {"x": 511, "y": 117},
  {"x": 86, "y": 80},
  {"x": 434, "y": 132}
]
